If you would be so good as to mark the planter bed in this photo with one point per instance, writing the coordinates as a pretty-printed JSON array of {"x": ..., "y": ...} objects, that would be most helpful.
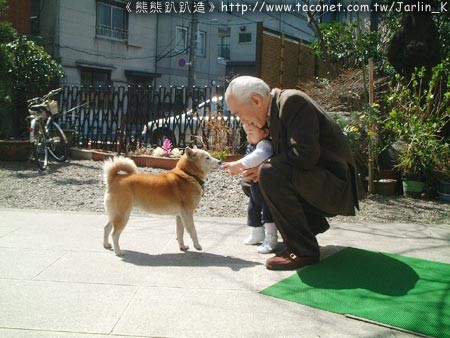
[
  {"x": 140, "y": 160},
  {"x": 155, "y": 162},
  {"x": 101, "y": 155},
  {"x": 80, "y": 154},
  {"x": 15, "y": 150}
]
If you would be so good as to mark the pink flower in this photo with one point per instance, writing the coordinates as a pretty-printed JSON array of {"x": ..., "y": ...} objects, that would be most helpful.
[{"x": 167, "y": 147}]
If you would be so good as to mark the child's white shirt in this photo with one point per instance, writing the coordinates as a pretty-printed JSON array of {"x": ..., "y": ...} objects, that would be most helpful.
[{"x": 262, "y": 152}]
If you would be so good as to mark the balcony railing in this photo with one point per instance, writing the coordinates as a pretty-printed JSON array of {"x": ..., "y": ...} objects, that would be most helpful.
[{"x": 113, "y": 33}]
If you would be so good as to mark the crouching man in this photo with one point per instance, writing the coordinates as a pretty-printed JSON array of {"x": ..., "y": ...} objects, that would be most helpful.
[{"x": 312, "y": 173}]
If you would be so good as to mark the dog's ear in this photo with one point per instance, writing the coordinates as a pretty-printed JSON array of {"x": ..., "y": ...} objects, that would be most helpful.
[{"x": 189, "y": 153}]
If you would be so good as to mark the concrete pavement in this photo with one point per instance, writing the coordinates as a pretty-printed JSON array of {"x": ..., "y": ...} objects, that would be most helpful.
[{"x": 56, "y": 280}]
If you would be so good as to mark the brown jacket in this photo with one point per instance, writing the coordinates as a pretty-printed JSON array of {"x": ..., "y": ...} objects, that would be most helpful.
[{"x": 309, "y": 140}]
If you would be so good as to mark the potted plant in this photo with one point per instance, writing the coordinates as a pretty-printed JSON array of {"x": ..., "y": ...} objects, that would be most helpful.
[
  {"x": 418, "y": 111},
  {"x": 417, "y": 160},
  {"x": 219, "y": 138},
  {"x": 443, "y": 172}
]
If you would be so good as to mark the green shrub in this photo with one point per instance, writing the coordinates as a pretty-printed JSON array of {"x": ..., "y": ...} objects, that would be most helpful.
[
  {"x": 28, "y": 72},
  {"x": 418, "y": 110}
]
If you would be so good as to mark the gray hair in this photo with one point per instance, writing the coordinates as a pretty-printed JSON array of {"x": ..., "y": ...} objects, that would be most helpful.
[{"x": 243, "y": 87}]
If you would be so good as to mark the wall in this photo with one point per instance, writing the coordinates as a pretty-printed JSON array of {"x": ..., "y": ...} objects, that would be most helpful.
[
  {"x": 18, "y": 13},
  {"x": 246, "y": 51},
  {"x": 207, "y": 68},
  {"x": 284, "y": 60},
  {"x": 72, "y": 27}
]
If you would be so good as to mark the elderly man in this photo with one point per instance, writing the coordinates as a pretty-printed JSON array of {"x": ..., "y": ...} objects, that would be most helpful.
[{"x": 312, "y": 173}]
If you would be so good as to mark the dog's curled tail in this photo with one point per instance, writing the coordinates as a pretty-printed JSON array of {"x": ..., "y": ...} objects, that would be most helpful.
[{"x": 112, "y": 166}]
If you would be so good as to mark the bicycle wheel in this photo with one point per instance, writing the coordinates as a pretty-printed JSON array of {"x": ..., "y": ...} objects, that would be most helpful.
[
  {"x": 40, "y": 151},
  {"x": 57, "y": 142}
]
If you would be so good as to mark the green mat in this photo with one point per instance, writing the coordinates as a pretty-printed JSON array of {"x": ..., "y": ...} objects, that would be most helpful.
[{"x": 408, "y": 293}]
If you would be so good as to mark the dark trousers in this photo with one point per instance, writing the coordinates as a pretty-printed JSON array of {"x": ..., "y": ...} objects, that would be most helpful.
[
  {"x": 297, "y": 221},
  {"x": 258, "y": 211}
]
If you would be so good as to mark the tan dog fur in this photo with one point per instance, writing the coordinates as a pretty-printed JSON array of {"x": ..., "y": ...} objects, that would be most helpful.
[{"x": 175, "y": 192}]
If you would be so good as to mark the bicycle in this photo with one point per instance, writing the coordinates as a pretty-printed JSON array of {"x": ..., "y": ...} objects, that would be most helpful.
[{"x": 46, "y": 135}]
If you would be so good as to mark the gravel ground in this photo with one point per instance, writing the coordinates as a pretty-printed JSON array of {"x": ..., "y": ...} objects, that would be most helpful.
[{"x": 78, "y": 186}]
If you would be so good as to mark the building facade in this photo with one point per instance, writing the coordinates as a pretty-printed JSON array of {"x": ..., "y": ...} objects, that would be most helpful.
[
  {"x": 244, "y": 41},
  {"x": 175, "y": 40},
  {"x": 101, "y": 43},
  {"x": 98, "y": 43},
  {"x": 20, "y": 15}
]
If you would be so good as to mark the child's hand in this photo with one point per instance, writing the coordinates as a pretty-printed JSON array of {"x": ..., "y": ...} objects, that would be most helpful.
[{"x": 233, "y": 168}]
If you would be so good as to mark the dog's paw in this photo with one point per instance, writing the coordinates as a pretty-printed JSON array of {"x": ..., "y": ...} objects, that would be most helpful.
[
  {"x": 198, "y": 247},
  {"x": 119, "y": 253},
  {"x": 184, "y": 248},
  {"x": 107, "y": 246}
]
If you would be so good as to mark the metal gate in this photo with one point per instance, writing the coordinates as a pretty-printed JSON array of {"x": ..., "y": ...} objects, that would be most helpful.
[{"x": 119, "y": 118}]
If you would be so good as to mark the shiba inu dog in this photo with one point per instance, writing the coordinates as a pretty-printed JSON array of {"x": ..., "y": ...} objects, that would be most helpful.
[{"x": 176, "y": 192}]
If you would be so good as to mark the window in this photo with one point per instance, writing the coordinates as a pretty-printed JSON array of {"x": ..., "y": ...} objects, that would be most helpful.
[
  {"x": 95, "y": 77},
  {"x": 35, "y": 17},
  {"x": 112, "y": 21},
  {"x": 200, "y": 47},
  {"x": 139, "y": 81},
  {"x": 94, "y": 96},
  {"x": 223, "y": 50},
  {"x": 224, "y": 47},
  {"x": 245, "y": 37},
  {"x": 181, "y": 39}
]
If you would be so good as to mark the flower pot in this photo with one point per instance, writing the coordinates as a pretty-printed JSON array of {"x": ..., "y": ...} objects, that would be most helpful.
[
  {"x": 101, "y": 155},
  {"x": 161, "y": 162},
  {"x": 444, "y": 197},
  {"x": 15, "y": 150},
  {"x": 155, "y": 161},
  {"x": 80, "y": 154},
  {"x": 413, "y": 188},
  {"x": 444, "y": 187},
  {"x": 140, "y": 160},
  {"x": 392, "y": 174},
  {"x": 386, "y": 187},
  {"x": 71, "y": 136}
]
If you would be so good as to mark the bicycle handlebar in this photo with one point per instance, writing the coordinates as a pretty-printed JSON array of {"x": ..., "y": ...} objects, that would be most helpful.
[
  {"x": 45, "y": 97},
  {"x": 33, "y": 100},
  {"x": 53, "y": 92}
]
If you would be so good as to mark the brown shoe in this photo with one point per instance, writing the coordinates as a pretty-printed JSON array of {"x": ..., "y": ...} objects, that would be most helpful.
[{"x": 287, "y": 260}]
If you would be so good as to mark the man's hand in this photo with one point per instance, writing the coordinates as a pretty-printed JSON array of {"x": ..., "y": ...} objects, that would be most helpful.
[
  {"x": 233, "y": 168},
  {"x": 251, "y": 174}
]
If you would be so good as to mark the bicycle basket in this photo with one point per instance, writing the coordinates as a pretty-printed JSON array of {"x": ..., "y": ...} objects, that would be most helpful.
[{"x": 53, "y": 107}]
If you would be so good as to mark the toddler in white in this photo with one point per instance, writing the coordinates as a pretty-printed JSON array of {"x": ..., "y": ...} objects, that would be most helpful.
[{"x": 259, "y": 218}]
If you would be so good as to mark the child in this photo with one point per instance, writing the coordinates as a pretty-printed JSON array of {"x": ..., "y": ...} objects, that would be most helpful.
[{"x": 259, "y": 217}]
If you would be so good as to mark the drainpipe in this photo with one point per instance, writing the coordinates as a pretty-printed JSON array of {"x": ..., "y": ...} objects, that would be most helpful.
[
  {"x": 192, "y": 45},
  {"x": 156, "y": 49},
  {"x": 56, "y": 38}
]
